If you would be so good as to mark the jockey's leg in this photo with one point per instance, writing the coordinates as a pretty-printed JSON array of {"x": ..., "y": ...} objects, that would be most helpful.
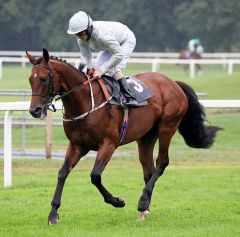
[
  {"x": 125, "y": 88},
  {"x": 127, "y": 48}
]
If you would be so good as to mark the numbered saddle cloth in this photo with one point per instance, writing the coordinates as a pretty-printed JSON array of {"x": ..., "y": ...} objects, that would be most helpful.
[{"x": 139, "y": 90}]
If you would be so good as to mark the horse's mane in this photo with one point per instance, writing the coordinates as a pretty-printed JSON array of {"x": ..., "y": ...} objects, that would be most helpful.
[
  {"x": 63, "y": 61},
  {"x": 39, "y": 59}
]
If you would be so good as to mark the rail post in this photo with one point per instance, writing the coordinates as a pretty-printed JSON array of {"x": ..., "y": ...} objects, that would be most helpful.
[
  {"x": 230, "y": 67},
  {"x": 1, "y": 66},
  {"x": 8, "y": 149},
  {"x": 154, "y": 65},
  {"x": 192, "y": 69},
  {"x": 49, "y": 135}
]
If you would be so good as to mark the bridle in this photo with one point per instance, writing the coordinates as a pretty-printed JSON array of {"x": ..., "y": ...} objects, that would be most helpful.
[
  {"x": 50, "y": 96},
  {"x": 53, "y": 93}
]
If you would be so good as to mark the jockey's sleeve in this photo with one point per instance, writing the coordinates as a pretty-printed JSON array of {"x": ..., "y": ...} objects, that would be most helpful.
[
  {"x": 191, "y": 45},
  {"x": 110, "y": 44},
  {"x": 86, "y": 54}
]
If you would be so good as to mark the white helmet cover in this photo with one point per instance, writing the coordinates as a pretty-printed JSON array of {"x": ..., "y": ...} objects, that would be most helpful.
[{"x": 80, "y": 21}]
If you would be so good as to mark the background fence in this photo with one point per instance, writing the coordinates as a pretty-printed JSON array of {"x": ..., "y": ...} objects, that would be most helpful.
[
  {"x": 24, "y": 106},
  {"x": 155, "y": 59}
]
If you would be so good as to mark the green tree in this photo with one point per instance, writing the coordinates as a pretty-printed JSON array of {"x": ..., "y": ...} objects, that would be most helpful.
[
  {"x": 216, "y": 22},
  {"x": 163, "y": 25}
]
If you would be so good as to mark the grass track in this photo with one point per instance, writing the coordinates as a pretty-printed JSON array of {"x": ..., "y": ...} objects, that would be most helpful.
[
  {"x": 195, "y": 200},
  {"x": 198, "y": 195}
]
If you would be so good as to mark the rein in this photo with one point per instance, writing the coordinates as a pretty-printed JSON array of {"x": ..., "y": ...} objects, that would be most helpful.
[{"x": 93, "y": 108}]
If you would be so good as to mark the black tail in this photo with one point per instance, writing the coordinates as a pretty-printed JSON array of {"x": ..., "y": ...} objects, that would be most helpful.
[{"x": 193, "y": 126}]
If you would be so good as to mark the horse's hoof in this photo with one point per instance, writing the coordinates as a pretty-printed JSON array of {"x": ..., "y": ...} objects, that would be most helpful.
[
  {"x": 119, "y": 202},
  {"x": 143, "y": 215},
  {"x": 143, "y": 205},
  {"x": 116, "y": 202},
  {"x": 53, "y": 219}
]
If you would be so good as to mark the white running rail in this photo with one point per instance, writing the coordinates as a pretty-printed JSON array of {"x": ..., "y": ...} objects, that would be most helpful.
[
  {"x": 10, "y": 107},
  {"x": 155, "y": 62}
]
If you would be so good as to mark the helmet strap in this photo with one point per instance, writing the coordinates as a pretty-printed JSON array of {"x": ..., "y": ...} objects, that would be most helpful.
[
  {"x": 89, "y": 28},
  {"x": 89, "y": 31}
]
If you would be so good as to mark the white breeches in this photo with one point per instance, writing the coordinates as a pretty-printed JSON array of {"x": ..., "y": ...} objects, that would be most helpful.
[
  {"x": 191, "y": 46},
  {"x": 127, "y": 48}
]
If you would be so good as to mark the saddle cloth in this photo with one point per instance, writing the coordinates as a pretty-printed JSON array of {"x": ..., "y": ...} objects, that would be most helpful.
[{"x": 139, "y": 90}]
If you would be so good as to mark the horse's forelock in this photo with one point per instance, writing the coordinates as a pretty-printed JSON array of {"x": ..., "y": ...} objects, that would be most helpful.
[{"x": 38, "y": 60}]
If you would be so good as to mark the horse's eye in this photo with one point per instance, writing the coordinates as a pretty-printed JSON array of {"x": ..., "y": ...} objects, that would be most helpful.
[{"x": 44, "y": 79}]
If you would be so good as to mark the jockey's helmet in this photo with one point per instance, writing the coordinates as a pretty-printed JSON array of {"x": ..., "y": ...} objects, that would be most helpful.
[
  {"x": 197, "y": 41},
  {"x": 80, "y": 21}
]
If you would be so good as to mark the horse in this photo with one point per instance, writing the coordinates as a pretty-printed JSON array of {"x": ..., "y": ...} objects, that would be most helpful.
[
  {"x": 186, "y": 54},
  {"x": 173, "y": 106}
]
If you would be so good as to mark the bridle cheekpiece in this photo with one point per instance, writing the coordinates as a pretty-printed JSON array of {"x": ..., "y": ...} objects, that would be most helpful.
[{"x": 51, "y": 91}]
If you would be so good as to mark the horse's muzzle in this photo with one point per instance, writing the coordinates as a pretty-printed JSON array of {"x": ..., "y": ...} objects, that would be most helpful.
[{"x": 38, "y": 112}]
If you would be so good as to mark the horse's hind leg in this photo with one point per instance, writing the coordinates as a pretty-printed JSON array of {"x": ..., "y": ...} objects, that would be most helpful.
[
  {"x": 166, "y": 131},
  {"x": 73, "y": 155},
  {"x": 199, "y": 69},
  {"x": 145, "y": 150},
  {"x": 103, "y": 156}
]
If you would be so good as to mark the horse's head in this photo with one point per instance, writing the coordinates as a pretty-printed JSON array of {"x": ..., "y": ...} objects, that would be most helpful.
[{"x": 45, "y": 85}]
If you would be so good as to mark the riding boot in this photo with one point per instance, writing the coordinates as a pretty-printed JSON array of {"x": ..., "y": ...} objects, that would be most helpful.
[{"x": 127, "y": 92}]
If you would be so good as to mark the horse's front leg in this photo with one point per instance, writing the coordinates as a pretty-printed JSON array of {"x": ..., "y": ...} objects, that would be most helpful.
[
  {"x": 73, "y": 155},
  {"x": 103, "y": 156}
]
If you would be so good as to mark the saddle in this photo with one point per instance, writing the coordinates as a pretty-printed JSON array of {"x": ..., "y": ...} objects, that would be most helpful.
[
  {"x": 111, "y": 89},
  {"x": 139, "y": 90}
]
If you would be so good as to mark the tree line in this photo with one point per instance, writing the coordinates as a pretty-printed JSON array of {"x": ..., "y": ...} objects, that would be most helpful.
[{"x": 159, "y": 25}]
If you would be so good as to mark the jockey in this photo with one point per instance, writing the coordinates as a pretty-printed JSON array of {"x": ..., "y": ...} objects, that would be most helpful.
[
  {"x": 194, "y": 46},
  {"x": 113, "y": 40}
]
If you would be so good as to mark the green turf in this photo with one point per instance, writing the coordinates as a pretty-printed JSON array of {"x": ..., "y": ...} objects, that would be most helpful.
[
  {"x": 197, "y": 196},
  {"x": 200, "y": 200},
  {"x": 227, "y": 140},
  {"x": 215, "y": 81}
]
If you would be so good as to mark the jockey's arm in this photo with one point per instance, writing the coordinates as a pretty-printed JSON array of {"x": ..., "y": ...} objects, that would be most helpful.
[
  {"x": 86, "y": 56},
  {"x": 110, "y": 45}
]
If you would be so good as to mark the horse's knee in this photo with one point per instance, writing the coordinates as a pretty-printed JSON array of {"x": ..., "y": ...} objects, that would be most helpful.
[{"x": 95, "y": 179}]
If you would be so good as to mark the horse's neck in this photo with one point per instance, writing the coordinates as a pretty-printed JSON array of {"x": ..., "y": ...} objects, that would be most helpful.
[
  {"x": 70, "y": 77},
  {"x": 79, "y": 99}
]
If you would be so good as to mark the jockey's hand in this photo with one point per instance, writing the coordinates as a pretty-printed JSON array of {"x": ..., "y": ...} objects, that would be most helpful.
[
  {"x": 90, "y": 72},
  {"x": 81, "y": 66},
  {"x": 97, "y": 73}
]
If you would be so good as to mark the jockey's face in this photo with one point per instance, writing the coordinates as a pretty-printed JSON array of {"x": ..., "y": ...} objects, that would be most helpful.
[{"x": 82, "y": 35}]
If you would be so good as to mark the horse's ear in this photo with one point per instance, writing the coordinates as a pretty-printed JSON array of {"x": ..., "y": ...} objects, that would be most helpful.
[
  {"x": 30, "y": 58},
  {"x": 45, "y": 55}
]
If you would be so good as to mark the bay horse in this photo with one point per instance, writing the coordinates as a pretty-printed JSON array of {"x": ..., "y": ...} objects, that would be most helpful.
[
  {"x": 173, "y": 106},
  {"x": 185, "y": 54}
]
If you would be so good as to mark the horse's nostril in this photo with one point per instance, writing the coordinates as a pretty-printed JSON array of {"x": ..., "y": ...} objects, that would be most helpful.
[
  {"x": 36, "y": 112},
  {"x": 38, "y": 109}
]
